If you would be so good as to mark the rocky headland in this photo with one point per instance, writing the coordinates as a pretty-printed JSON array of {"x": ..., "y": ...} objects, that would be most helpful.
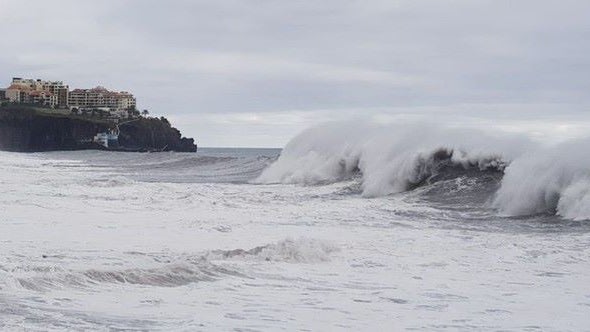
[{"x": 32, "y": 129}]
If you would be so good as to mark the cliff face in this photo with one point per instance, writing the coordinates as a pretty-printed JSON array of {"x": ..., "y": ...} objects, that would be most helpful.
[
  {"x": 25, "y": 130},
  {"x": 28, "y": 130},
  {"x": 156, "y": 134}
]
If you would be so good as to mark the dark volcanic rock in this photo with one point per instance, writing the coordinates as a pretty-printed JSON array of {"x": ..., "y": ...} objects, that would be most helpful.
[
  {"x": 156, "y": 134},
  {"x": 29, "y": 130},
  {"x": 25, "y": 130}
]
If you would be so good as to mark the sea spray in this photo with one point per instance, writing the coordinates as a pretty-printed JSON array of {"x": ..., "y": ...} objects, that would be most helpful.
[
  {"x": 552, "y": 179},
  {"x": 395, "y": 158},
  {"x": 149, "y": 254},
  {"x": 391, "y": 158},
  {"x": 301, "y": 250}
]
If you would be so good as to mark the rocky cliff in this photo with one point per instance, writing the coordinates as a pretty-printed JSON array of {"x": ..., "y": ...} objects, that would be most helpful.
[
  {"x": 154, "y": 133},
  {"x": 29, "y": 130}
]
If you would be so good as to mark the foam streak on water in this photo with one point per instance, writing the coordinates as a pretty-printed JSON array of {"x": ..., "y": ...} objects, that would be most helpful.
[{"x": 172, "y": 241}]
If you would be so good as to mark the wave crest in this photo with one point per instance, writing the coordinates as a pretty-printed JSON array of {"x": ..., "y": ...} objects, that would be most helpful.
[
  {"x": 303, "y": 250},
  {"x": 174, "y": 272},
  {"x": 171, "y": 275},
  {"x": 390, "y": 159},
  {"x": 550, "y": 180}
]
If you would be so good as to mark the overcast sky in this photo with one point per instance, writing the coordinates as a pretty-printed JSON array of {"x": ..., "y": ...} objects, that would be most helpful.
[{"x": 256, "y": 72}]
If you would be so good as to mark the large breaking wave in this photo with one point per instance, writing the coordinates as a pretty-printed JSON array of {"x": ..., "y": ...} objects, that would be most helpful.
[
  {"x": 396, "y": 158},
  {"x": 555, "y": 179},
  {"x": 391, "y": 159}
]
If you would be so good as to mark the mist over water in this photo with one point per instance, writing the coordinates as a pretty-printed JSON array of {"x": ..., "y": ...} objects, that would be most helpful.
[{"x": 350, "y": 226}]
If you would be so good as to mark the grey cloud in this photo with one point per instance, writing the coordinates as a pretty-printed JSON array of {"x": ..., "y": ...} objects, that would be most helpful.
[{"x": 191, "y": 58}]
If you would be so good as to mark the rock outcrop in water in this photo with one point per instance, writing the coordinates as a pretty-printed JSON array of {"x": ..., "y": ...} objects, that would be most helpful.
[{"x": 27, "y": 129}]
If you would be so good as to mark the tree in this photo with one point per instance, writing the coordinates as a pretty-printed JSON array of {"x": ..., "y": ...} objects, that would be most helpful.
[{"x": 145, "y": 113}]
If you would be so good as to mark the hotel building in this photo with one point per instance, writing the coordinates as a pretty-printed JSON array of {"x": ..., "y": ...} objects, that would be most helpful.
[
  {"x": 100, "y": 97},
  {"x": 29, "y": 91},
  {"x": 56, "y": 94}
]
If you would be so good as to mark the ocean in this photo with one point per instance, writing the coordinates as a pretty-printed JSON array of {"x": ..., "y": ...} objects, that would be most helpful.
[{"x": 334, "y": 232}]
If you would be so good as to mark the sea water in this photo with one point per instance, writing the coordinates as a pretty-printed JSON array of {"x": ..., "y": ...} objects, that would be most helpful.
[{"x": 313, "y": 237}]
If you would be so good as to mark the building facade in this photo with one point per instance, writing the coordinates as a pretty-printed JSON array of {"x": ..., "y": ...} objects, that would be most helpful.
[
  {"x": 100, "y": 97},
  {"x": 60, "y": 90},
  {"x": 25, "y": 95},
  {"x": 56, "y": 94},
  {"x": 46, "y": 93}
]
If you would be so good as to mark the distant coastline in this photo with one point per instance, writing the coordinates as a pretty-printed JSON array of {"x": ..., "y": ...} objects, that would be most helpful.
[
  {"x": 26, "y": 128},
  {"x": 38, "y": 115}
]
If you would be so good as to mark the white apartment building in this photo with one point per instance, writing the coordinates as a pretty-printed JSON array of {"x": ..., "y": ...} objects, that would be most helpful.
[
  {"x": 56, "y": 94},
  {"x": 49, "y": 93},
  {"x": 100, "y": 97}
]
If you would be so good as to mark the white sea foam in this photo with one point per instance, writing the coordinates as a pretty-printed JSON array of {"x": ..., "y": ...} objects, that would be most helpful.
[
  {"x": 165, "y": 271},
  {"x": 550, "y": 179},
  {"x": 111, "y": 181},
  {"x": 390, "y": 158},
  {"x": 301, "y": 250},
  {"x": 73, "y": 243},
  {"x": 167, "y": 275}
]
